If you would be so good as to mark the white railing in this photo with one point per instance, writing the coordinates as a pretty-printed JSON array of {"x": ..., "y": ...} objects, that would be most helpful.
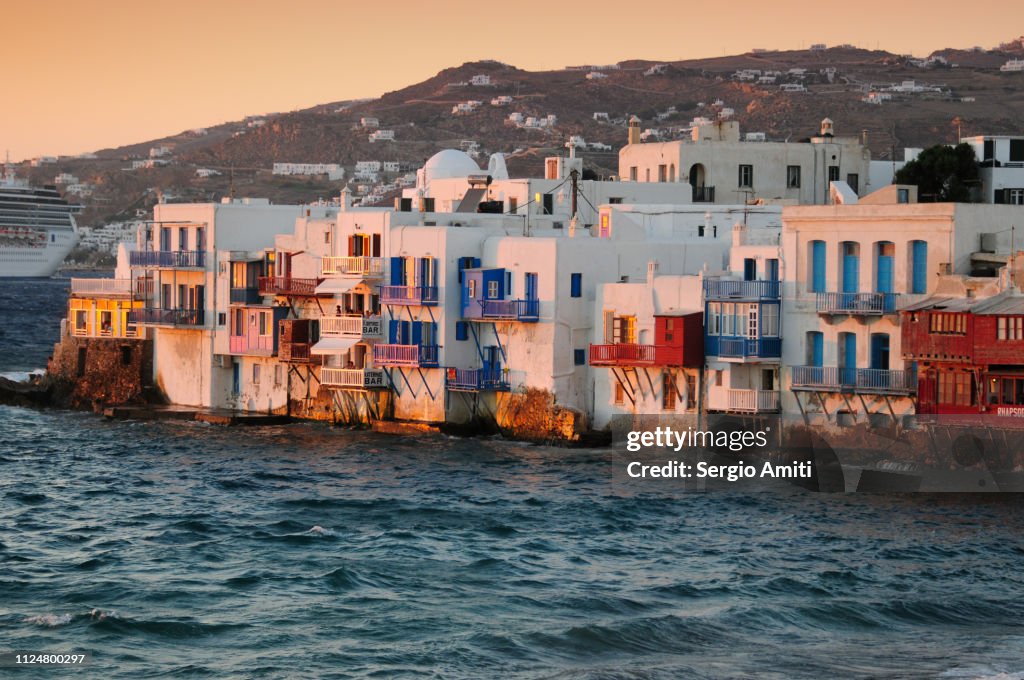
[
  {"x": 746, "y": 401},
  {"x": 353, "y": 378},
  {"x": 101, "y": 286},
  {"x": 351, "y": 326},
  {"x": 352, "y": 266}
]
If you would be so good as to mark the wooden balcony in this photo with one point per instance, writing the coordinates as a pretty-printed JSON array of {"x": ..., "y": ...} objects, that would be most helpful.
[
  {"x": 298, "y": 353},
  {"x": 421, "y": 356},
  {"x": 425, "y": 296},
  {"x": 632, "y": 354},
  {"x": 510, "y": 310},
  {"x": 353, "y": 378},
  {"x": 286, "y": 285},
  {"x": 353, "y": 326},
  {"x": 363, "y": 267},
  {"x": 738, "y": 347},
  {"x": 743, "y": 401}
]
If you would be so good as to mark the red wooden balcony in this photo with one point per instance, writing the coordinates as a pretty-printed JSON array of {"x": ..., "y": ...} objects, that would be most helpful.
[
  {"x": 631, "y": 354},
  {"x": 286, "y": 285}
]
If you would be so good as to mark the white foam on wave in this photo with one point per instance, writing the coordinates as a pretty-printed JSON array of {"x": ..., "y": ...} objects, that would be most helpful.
[
  {"x": 982, "y": 673},
  {"x": 321, "y": 531},
  {"x": 21, "y": 376},
  {"x": 49, "y": 620},
  {"x": 99, "y": 614}
]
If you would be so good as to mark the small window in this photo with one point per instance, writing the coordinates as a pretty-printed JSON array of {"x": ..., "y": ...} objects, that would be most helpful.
[
  {"x": 668, "y": 392},
  {"x": 327, "y": 236},
  {"x": 579, "y": 357},
  {"x": 614, "y": 200},
  {"x": 576, "y": 285},
  {"x": 513, "y": 204},
  {"x": 633, "y": 173},
  {"x": 903, "y": 195},
  {"x": 833, "y": 173},
  {"x": 255, "y": 374},
  {"x": 746, "y": 176},
  {"x": 126, "y": 355},
  {"x": 461, "y": 330},
  {"x": 620, "y": 393},
  {"x": 792, "y": 176},
  {"x": 853, "y": 180},
  {"x": 1017, "y": 150},
  {"x": 278, "y": 375},
  {"x": 471, "y": 285},
  {"x": 492, "y": 290}
]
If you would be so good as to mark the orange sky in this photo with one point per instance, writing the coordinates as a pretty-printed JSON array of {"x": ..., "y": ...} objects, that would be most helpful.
[{"x": 80, "y": 76}]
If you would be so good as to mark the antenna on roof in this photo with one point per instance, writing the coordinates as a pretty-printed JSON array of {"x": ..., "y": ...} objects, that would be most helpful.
[{"x": 231, "y": 181}]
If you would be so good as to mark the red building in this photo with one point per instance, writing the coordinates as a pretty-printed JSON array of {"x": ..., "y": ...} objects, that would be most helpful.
[
  {"x": 678, "y": 341},
  {"x": 969, "y": 354}
]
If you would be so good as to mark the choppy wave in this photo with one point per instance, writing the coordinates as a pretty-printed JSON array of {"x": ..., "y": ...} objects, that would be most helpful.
[{"x": 308, "y": 551}]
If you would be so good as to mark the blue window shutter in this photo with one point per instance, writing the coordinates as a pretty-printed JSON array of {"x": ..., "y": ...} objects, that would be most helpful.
[
  {"x": 579, "y": 357},
  {"x": 919, "y": 282},
  {"x": 531, "y": 286},
  {"x": 576, "y": 285},
  {"x": 461, "y": 330},
  {"x": 817, "y": 348},
  {"x": 393, "y": 331},
  {"x": 417, "y": 332},
  {"x": 850, "y": 350},
  {"x": 772, "y": 269},
  {"x": 818, "y": 267},
  {"x": 397, "y": 271},
  {"x": 884, "y": 274},
  {"x": 851, "y": 273},
  {"x": 749, "y": 269}
]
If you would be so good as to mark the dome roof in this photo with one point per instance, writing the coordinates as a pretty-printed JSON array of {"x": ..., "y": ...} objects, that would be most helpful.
[{"x": 449, "y": 163}]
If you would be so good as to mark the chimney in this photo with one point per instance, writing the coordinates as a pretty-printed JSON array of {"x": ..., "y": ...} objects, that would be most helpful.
[
  {"x": 827, "y": 128},
  {"x": 652, "y": 271},
  {"x": 634, "y": 130}
]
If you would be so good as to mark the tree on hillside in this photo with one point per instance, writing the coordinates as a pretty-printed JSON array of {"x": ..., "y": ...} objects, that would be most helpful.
[{"x": 942, "y": 173}]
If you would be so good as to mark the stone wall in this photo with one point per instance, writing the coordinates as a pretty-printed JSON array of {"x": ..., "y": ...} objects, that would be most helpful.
[
  {"x": 97, "y": 372},
  {"x": 534, "y": 415}
]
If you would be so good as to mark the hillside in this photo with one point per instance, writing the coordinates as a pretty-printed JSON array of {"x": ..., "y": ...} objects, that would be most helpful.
[{"x": 966, "y": 89}]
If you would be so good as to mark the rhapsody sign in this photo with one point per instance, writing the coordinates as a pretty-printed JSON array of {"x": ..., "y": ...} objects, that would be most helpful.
[{"x": 1012, "y": 411}]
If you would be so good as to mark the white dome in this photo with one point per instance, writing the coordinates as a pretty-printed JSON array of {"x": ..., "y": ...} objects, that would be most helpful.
[{"x": 449, "y": 163}]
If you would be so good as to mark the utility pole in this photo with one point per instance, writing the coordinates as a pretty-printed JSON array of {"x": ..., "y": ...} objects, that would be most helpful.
[{"x": 574, "y": 175}]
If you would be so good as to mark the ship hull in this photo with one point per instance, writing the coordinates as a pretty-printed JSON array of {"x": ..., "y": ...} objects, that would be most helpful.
[{"x": 19, "y": 261}]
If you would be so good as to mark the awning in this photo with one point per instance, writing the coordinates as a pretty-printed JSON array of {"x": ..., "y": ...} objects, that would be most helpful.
[
  {"x": 337, "y": 286},
  {"x": 333, "y": 345}
]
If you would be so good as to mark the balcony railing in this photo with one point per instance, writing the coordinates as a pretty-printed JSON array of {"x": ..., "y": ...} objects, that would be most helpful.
[
  {"x": 622, "y": 354},
  {"x": 167, "y": 317},
  {"x": 260, "y": 345},
  {"x": 100, "y": 287},
  {"x": 476, "y": 380},
  {"x": 246, "y": 296},
  {"x": 351, "y": 326},
  {"x": 725, "y": 289},
  {"x": 703, "y": 194},
  {"x": 743, "y": 401},
  {"x": 423, "y": 356},
  {"x": 298, "y": 353},
  {"x": 167, "y": 258},
  {"x": 856, "y": 303},
  {"x": 734, "y": 347},
  {"x": 352, "y": 378},
  {"x": 409, "y": 295},
  {"x": 516, "y": 310},
  {"x": 367, "y": 267},
  {"x": 863, "y": 380},
  {"x": 286, "y": 285},
  {"x": 130, "y": 331}
]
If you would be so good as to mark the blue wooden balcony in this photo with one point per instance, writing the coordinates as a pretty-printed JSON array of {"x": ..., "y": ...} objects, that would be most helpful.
[
  {"x": 857, "y": 304},
  {"x": 183, "y": 259},
  {"x": 414, "y": 356},
  {"x": 737, "y": 347},
  {"x": 855, "y": 380},
  {"x": 510, "y": 310},
  {"x": 425, "y": 296},
  {"x": 476, "y": 380},
  {"x": 167, "y": 317},
  {"x": 726, "y": 289},
  {"x": 245, "y": 296}
]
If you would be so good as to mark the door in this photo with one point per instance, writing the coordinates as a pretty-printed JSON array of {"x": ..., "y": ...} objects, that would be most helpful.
[
  {"x": 883, "y": 273},
  {"x": 531, "y": 286},
  {"x": 919, "y": 266},
  {"x": 880, "y": 351},
  {"x": 851, "y": 268},
  {"x": 749, "y": 269},
  {"x": 847, "y": 358},
  {"x": 236, "y": 377},
  {"x": 771, "y": 267},
  {"x": 818, "y": 267}
]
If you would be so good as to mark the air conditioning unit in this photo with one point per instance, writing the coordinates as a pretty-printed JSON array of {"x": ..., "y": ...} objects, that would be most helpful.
[{"x": 223, "y": 360}]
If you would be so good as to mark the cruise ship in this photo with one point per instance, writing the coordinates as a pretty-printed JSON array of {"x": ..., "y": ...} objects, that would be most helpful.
[{"x": 37, "y": 228}]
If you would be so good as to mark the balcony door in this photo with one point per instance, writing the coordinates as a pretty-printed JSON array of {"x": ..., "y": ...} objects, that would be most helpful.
[
  {"x": 885, "y": 252},
  {"x": 851, "y": 266},
  {"x": 847, "y": 358},
  {"x": 880, "y": 351}
]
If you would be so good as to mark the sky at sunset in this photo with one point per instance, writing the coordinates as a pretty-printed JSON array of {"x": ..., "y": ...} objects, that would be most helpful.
[{"x": 84, "y": 76}]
